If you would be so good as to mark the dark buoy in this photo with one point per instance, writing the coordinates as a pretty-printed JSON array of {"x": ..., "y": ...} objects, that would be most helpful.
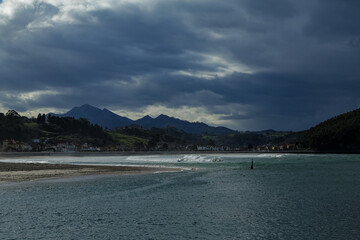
[{"x": 252, "y": 164}]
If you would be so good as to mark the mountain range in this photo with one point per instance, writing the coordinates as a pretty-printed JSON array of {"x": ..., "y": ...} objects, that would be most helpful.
[{"x": 108, "y": 119}]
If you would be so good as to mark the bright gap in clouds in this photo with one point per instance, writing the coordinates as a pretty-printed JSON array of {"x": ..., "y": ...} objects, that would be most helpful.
[{"x": 191, "y": 114}]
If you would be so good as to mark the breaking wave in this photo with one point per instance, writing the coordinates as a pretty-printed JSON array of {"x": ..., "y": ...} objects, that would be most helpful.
[{"x": 199, "y": 159}]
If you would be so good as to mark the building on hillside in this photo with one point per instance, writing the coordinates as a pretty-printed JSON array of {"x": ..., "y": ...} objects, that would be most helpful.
[
  {"x": 10, "y": 145},
  {"x": 65, "y": 147}
]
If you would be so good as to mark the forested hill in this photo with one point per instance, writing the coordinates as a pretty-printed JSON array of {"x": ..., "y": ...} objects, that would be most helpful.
[{"x": 340, "y": 133}]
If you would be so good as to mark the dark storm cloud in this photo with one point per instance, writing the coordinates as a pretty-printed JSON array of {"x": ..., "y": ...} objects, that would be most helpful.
[
  {"x": 335, "y": 19},
  {"x": 260, "y": 64}
]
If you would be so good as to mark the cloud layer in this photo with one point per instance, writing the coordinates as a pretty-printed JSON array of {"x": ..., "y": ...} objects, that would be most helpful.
[{"x": 246, "y": 64}]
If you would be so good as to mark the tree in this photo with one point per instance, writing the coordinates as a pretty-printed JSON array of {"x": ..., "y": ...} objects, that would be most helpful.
[
  {"x": 40, "y": 118},
  {"x": 12, "y": 113}
]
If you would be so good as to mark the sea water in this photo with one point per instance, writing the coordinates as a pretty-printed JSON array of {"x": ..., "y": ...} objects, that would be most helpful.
[{"x": 214, "y": 197}]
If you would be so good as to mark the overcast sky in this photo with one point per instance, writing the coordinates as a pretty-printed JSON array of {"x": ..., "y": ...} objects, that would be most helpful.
[{"x": 244, "y": 64}]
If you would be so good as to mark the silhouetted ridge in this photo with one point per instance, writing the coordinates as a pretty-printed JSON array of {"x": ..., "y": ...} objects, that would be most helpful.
[
  {"x": 191, "y": 127},
  {"x": 108, "y": 119},
  {"x": 340, "y": 133},
  {"x": 104, "y": 118}
]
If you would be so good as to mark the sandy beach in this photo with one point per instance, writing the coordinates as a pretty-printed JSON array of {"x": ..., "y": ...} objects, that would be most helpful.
[{"x": 20, "y": 172}]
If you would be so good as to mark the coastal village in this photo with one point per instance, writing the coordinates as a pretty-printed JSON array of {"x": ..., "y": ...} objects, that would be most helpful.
[
  {"x": 47, "y": 145},
  {"x": 42, "y": 145}
]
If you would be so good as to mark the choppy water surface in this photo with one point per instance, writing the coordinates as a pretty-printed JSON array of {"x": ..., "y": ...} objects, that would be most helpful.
[{"x": 284, "y": 197}]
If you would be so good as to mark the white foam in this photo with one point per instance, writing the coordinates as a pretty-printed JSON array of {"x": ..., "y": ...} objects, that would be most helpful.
[
  {"x": 271, "y": 155},
  {"x": 199, "y": 158}
]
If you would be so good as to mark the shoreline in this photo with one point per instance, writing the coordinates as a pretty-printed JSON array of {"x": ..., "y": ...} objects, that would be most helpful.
[
  {"x": 7, "y": 155},
  {"x": 24, "y": 172}
]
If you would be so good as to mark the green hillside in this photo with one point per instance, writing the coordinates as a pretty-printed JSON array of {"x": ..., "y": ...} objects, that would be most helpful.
[
  {"x": 340, "y": 133},
  {"x": 128, "y": 141}
]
